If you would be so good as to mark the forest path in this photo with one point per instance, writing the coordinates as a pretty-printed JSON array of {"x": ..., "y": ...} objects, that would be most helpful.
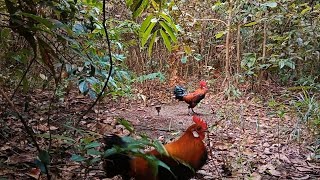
[{"x": 246, "y": 139}]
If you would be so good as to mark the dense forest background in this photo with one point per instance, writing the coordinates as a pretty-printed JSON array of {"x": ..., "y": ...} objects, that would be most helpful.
[{"x": 66, "y": 65}]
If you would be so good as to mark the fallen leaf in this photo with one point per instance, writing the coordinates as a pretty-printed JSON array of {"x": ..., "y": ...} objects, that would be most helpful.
[
  {"x": 263, "y": 168},
  {"x": 274, "y": 172},
  {"x": 35, "y": 173},
  {"x": 221, "y": 146},
  {"x": 284, "y": 158},
  {"x": 267, "y": 151},
  {"x": 248, "y": 152},
  {"x": 5, "y": 147},
  {"x": 44, "y": 127},
  {"x": 20, "y": 158},
  {"x": 255, "y": 176},
  {"x": 301, "y": 178},
  {"x": 303, "y": 169}
]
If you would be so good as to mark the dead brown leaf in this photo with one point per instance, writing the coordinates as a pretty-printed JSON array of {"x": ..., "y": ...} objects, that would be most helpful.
[
  {"x": 20, "y": 158},
  {"x": 34, "y": 172},
  {"x": 274, "y": 172},
  {"x": 255, "y": 176},
  {"x": 303, "y": 169}
]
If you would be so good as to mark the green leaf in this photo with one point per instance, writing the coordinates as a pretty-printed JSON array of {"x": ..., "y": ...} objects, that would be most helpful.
[
  {"x": 198, "y": 57},
  {"x": 129, "y": 2},
  {"x": 251, "y": 23},
  {"x": 126, "y": 124},
  {"x": 4, "y": 34},
  {"x": 169, "y": 31},
  {"x": 169, "y": 21},
  {"x": 77, "y": 158},
  {"x": 146, "y": 34},
  {"x": 110, "y": 152},
  {"x": 304, "y": 11},
  {"x": 92, "y": 145},
  {"x": 165, "y": 39},
  {"x": 155, "y": 5},
  {"x": 94, "y": 160},
  {"x": 281, "y": 64},
  {"x": 145, "y": 24},
  {"x": 160, "y": 147},
  {"x": 184, "y": 59},
  {"x": 219, "y": 34},
  {"x": 187, "y": 49},
  {"x": 270, "y": 4},
  {"x": 140, "y": 8},
  {"x": 39, "y": 164},
  {"x": 44, "y": 157},
  {"x": 83, "y": 87},
  {"x": 153, "y": 39},
  {"x": 155, "y": 163},
  {"x": 93, "y": 152},
  {"x": 39, "y": 19},
  {"x": 151, "y": 76}
]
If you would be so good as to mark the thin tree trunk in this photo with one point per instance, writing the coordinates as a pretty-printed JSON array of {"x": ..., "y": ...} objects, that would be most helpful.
[{"x": 227, "y": 63}]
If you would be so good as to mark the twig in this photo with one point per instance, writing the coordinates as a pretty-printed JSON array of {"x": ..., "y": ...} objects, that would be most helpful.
[{"x": 23, "y": 76}]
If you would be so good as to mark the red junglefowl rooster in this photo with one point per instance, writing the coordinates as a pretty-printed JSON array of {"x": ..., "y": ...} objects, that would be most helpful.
[
  {"x": 185, "y": 156},
  {"x": 191, "y": 98}
]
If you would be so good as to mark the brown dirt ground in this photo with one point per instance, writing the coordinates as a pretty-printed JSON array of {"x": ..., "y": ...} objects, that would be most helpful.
[{"x": 246, "y": 139}]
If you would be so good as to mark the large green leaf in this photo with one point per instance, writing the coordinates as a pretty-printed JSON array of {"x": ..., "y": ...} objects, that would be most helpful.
[
  {"x": 145, "y": 24},
  {"x": 140, "y": 8},
  {"x": 126, "y": 124},
  {"x": 146, "y": 34},
  {"x": 92, "y": 145},
  {"x": 152, "y": 41},
  {"x": 219, "y": 34},
  {"x": 251, "y": 23},
  {"x": 165, "y": 39},
  {"x": 168, "y": 20},
  {"x": 160, "y": 147},
  {"x": 44, "y": 157},
  {"x": 39, "y": 19},
  {"x": 270, "y": 4},
  {"x": 77, "y": 158},
  {"x": 168, "y": 30}
]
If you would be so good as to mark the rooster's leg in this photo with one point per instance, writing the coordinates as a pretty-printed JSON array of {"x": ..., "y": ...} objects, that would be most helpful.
[
  {"x": 194, "y": 112},
  {"x": 191, "y": 112}
]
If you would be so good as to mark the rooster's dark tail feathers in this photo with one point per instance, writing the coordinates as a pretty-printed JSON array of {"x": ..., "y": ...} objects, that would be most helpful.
[
  {"x": 179, "y": 92},
  {"x": 115, "y": 163}
]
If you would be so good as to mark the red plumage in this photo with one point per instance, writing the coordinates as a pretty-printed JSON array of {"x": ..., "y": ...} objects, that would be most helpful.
[
  {"x": 191, "y": 98},
  {"x": 187, "y": 152}
]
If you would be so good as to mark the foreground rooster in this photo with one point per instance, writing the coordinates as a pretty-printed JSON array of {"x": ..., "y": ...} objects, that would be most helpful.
[
  {"x": 192, "y": 98},
  {"x": 185, "y": 156}
]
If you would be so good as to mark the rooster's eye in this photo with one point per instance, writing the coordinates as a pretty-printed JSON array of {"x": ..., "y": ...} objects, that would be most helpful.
[{"x": 199, "y": 128}]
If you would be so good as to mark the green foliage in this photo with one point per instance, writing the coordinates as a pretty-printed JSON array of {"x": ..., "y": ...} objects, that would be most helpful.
[
  {"x": 152, "y": 76},
  {"x": 156, "y": 23},
  {"x": 136, "y": 148},
  {"x": 89, "y": 153},
  {"x": 308, "y": 108},
  {"x": 252, "y": 65}
]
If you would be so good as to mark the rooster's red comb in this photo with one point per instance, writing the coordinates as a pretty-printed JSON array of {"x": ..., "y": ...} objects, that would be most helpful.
[
  {"x": 203, "y": 83},
  {"x": 200, "y": 122}
]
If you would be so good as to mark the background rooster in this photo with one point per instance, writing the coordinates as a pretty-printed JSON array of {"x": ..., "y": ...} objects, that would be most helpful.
[
  {"x": 191, "y": 98},
  {"x": 184, "y": 156}
]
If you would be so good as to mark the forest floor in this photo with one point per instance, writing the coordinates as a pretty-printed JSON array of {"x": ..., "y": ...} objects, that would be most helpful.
[{"x": 247, "y": 139}]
